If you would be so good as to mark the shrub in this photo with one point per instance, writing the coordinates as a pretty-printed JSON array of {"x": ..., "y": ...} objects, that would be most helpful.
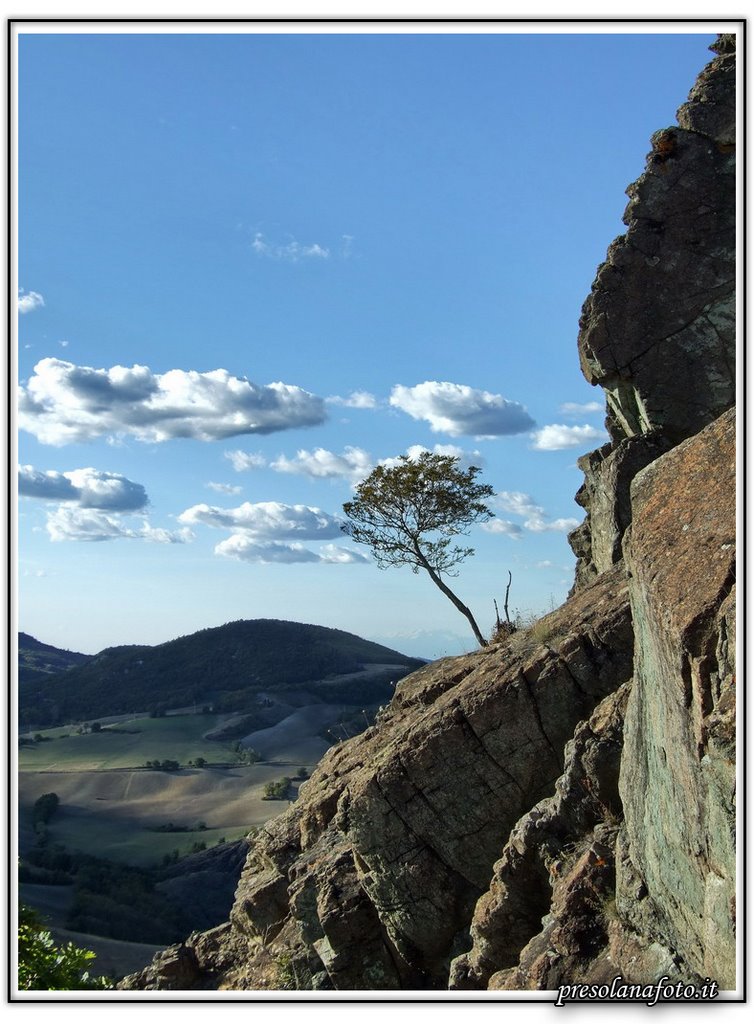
[
  {"x": 279, "y": 790},
  {"x": 43, "y": 965},
  {"x": 44, "y": 808}
]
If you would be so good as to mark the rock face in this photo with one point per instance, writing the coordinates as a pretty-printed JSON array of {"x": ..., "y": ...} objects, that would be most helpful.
[
  {"x": 657, "y": 331},
  {"x": 678, "y": 779},
  {"x": 559, "y": 806},
  {"x": 630, "y": 867}
]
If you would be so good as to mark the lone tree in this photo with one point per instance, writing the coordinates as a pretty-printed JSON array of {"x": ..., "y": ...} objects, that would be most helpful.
[{"x": 409, "y": 513}]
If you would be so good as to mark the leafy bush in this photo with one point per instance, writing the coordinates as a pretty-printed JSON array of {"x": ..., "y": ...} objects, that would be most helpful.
[
  {"x": 246, "y": 755},
  {"x": 279, "y": 790},
  {"x": 43, "y": 965}
]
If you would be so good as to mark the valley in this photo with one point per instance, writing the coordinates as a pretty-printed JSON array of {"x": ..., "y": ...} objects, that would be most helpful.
[{"x": 158, "y": 802}]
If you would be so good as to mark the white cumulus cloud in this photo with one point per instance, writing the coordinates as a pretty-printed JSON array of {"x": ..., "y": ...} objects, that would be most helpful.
[
  {"x": 241, "y": 461},
  {"x": 271, "y": 520},
  {"x": 535, "y": 518},
  {"x": 63, "y": 403},
  {"x": 466, "y": 459},
  {"x": 563, "y": 525},
  {"x": 354, "y": 464},
  {"x": 458, "y": 409},
  {"x": 557, "y": 436},
  {"x": 87, "y": 488},
  {"x": 504, "y": 526},
  {"x": 356, "y": 400},
  {"x": 519, "y": 504},
  {"x": 80, "y": 524},
  {"x": 28, "y": 301},
  {"x": 224, "y": 488},
  {"x": 335, "y": 555},
  {"x": 581, "y": 408},
  {"x": 247, "y": 549},
  {"x": 272, "y": 532}
]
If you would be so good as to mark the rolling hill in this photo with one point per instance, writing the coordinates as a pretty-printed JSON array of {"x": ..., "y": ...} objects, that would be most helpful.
[{"x": 229, "y": 667}]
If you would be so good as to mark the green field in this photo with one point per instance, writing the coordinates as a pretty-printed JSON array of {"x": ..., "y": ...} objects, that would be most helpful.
[
  {"x": 117, "y": 814},
  {"x": 136, "y": 846},
  {"x": 127, "y": 744},
  {"x": 112, "y": 806}
]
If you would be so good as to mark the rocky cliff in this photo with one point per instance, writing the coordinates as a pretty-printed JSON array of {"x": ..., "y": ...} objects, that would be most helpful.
[{"x": 559, "y": 806}]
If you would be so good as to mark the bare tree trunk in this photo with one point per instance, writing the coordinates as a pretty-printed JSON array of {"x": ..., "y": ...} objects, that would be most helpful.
[
  {"x": 507, "y": 591},
  {"x": 438, "y": 581}
]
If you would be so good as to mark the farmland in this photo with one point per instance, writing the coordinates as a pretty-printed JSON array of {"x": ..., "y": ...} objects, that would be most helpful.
[{"x": 111, "y": 805}]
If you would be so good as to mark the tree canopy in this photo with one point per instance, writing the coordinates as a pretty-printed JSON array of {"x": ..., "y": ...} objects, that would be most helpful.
[{"x": 410, "y": 512}]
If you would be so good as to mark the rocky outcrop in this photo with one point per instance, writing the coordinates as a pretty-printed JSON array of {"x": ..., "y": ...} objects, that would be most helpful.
[
  {"x": 559, "y": 806},
  {"x": 605, "y": 495},
  {"x": 630, "y": 867},
  {"x": 657, "y": 331}
]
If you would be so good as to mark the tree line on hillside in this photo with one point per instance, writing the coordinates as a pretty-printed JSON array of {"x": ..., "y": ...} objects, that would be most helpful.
[
  {"x": 224, "y": 667},
  {"x": 112, "y": 900}
]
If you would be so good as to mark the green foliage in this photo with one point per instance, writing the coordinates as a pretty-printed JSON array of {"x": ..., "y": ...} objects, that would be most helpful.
[
  {"x": 166, "y": 765},
  {"x": 409, "y": 514},
  {"x": 127, "y": 903},
  {"x": 171, "y": 827},
  {"x": 44, "y": 966},
  {"x": 285, "y": 971},
  {"x": 280, "y": 790},
  {"x": 246, "y": 755},
  {"x": 398, "y": 508}
]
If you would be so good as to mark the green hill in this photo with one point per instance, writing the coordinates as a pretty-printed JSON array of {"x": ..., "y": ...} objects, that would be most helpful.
[
  {"x": 37, "y": 661},
  {"x": 225, "y": 667}
]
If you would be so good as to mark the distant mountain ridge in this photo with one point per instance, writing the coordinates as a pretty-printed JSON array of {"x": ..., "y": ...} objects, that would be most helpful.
[{"x": 223, "y": 666}]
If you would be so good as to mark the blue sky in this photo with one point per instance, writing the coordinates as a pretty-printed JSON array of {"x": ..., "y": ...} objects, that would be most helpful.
[{"x": 251, "y": 267}]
